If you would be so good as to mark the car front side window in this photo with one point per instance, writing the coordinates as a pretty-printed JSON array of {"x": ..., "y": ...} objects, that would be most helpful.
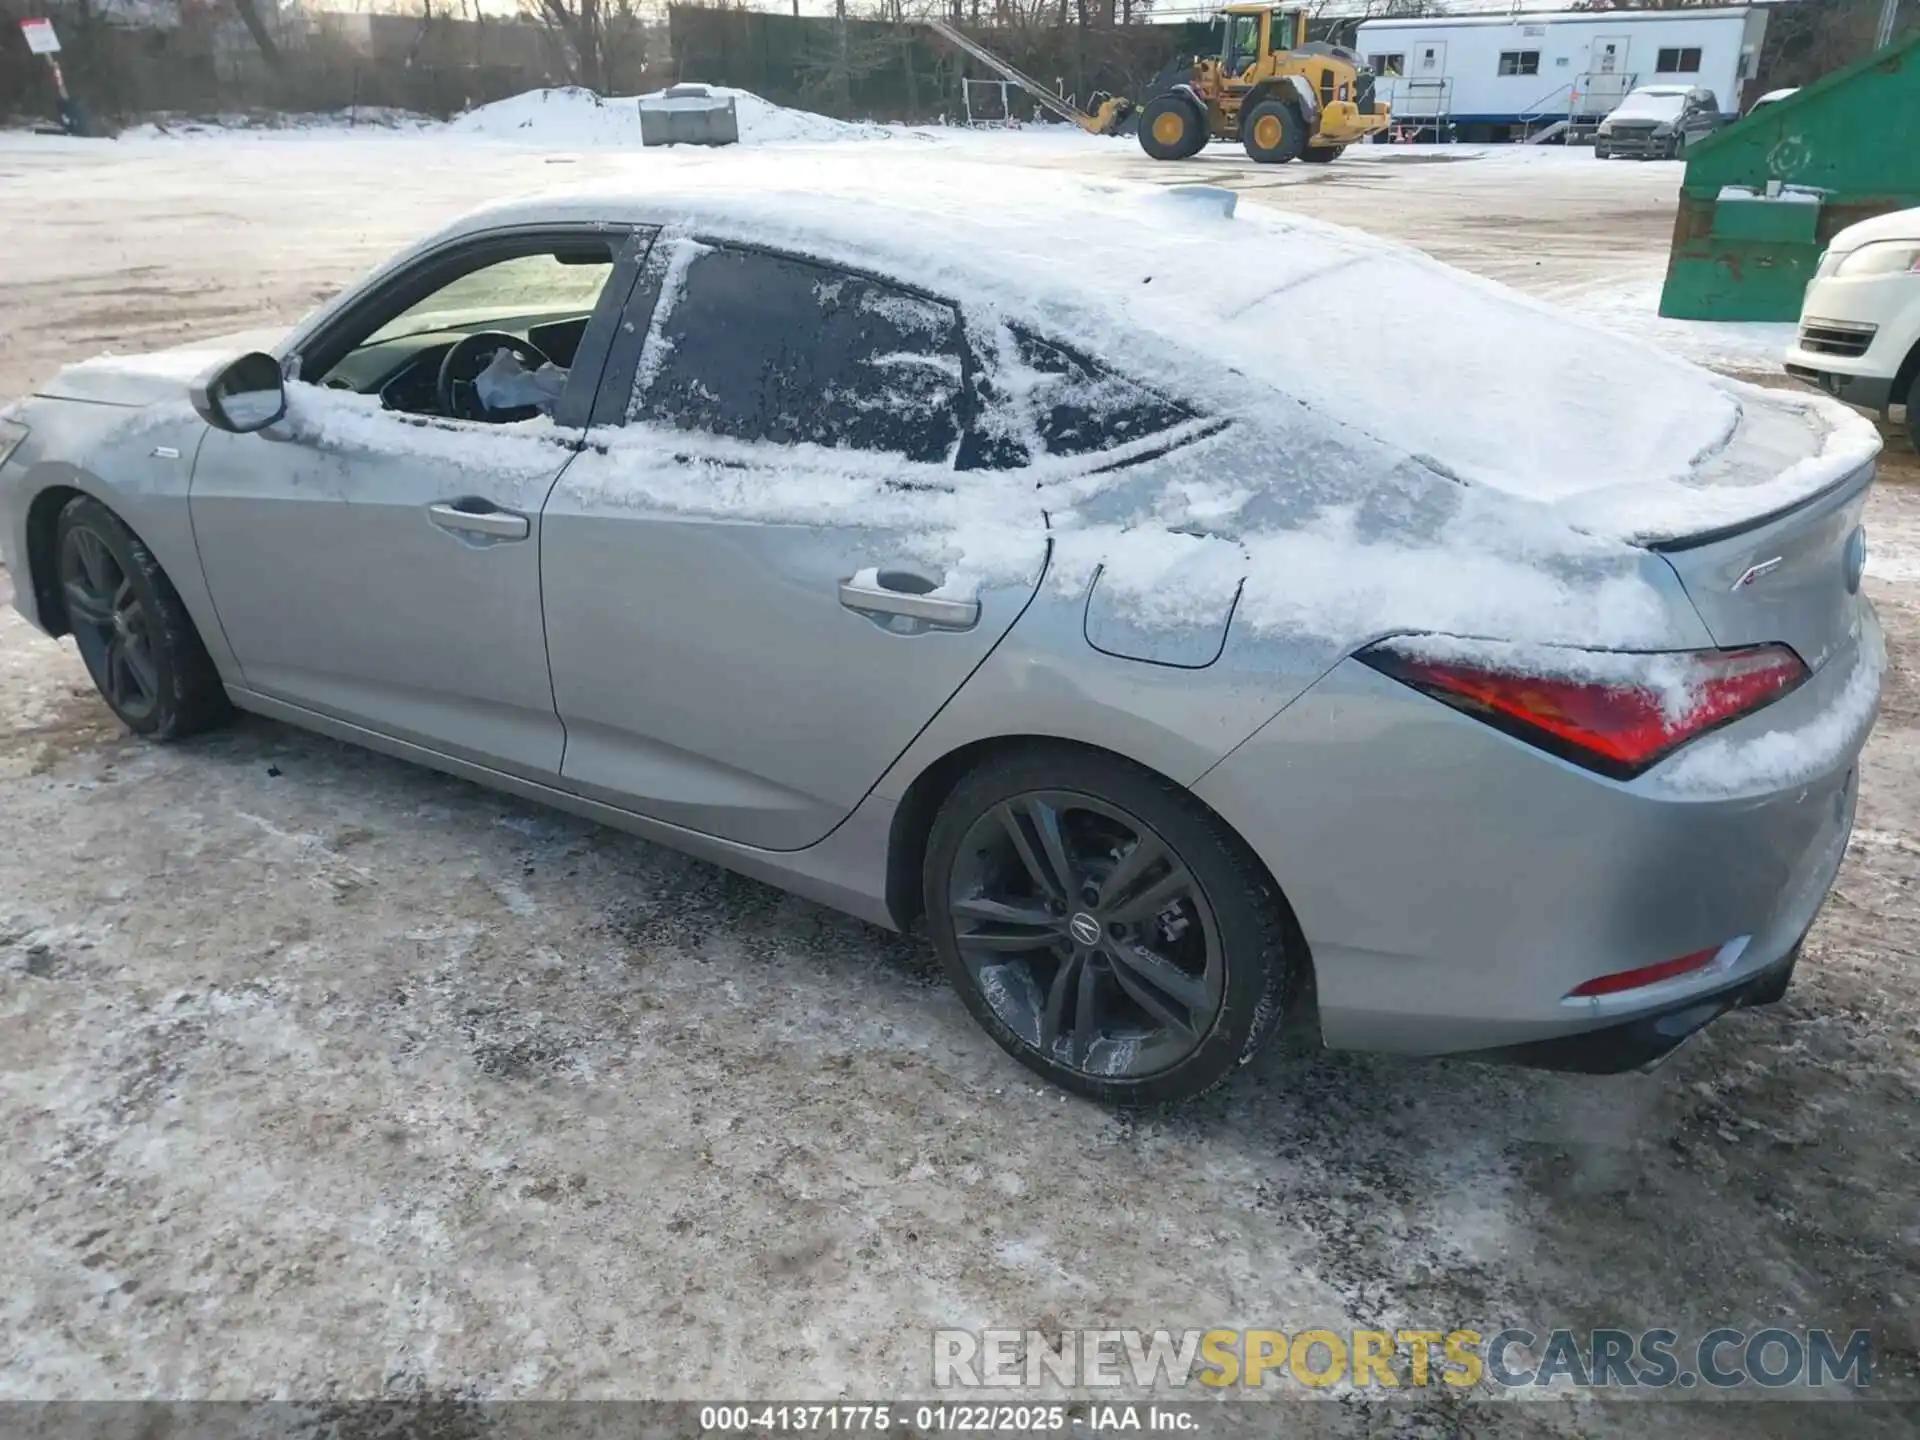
[
  {"x": 488, "y": 330},
  {"x": 755, "y": 346}
]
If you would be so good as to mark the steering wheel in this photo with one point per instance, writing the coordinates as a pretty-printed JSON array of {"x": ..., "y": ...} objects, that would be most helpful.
[{"x": 464, "y": 362}]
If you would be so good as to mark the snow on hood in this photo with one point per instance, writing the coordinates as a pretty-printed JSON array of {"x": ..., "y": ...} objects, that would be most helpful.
[
  {"x": 154, "y": 375},
  {"x": 1650, "y": 105}
]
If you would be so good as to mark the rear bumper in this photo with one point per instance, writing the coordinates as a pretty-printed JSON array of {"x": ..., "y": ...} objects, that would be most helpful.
[
  {"x": 1646, "y": 1040},
  {"x": 1456, "y": 886}
]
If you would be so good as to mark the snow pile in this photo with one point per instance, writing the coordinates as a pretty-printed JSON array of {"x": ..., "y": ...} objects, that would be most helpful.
[{"x": 570, "y": 118}]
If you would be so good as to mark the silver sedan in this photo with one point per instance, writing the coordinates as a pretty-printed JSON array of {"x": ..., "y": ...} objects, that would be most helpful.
[{"x": 1074, "y": 572}]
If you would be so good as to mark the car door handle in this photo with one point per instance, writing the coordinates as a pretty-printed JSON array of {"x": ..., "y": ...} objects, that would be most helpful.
[
  {"x": 466, "y": 517},
  {"x": 906, "y": 596}
]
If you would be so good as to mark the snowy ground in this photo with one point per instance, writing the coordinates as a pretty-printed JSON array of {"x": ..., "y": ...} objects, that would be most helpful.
[{"x": 321, "y": 1075}]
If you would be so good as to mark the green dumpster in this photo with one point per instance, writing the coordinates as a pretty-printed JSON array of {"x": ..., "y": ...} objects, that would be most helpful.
[{"x": 1762, "y": 197}]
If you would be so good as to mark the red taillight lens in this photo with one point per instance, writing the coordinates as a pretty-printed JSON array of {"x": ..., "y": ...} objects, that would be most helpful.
[
  {"x": 1619, "y": 727},
  {"x": 1646, "y": 975}
]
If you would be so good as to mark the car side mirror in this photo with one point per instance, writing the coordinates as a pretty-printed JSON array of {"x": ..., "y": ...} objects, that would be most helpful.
[{"x": 243, "y": 395}]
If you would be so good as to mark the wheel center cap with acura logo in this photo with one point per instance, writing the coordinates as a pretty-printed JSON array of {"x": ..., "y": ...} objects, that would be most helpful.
[{"x": 1084, "y": 928}]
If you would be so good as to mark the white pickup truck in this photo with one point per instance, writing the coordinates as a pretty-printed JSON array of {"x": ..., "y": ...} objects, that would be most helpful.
[{"x": 1860, "y": 321}]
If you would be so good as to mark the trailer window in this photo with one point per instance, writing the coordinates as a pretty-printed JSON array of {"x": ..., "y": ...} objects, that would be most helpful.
[
  {"x": 1519, "y": 62},
  {"x": 1387, "y": 64},
  {"x": 1679, "y": 62}
]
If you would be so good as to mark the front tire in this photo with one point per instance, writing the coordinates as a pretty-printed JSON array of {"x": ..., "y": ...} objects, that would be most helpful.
[
  {"x": 1913, "y": 412},
  {"x": 136, "y": 638},
  {"x": 1274, "y": 133},
  {"x": 1172, "y": 128},
  {"x": 1105, "y": 928}
]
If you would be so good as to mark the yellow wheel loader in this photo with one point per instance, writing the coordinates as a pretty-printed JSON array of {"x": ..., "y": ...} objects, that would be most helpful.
[
  {"x": 1281, "y": 97},
  {"x": 1278, "y": 95}
]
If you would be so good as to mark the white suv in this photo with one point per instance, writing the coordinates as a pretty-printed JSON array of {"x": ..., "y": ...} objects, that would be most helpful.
[{"x": 1860, "y": 321}]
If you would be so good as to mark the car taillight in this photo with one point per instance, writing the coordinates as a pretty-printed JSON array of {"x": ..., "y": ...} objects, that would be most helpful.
[{"x": 1618, "y": 727}]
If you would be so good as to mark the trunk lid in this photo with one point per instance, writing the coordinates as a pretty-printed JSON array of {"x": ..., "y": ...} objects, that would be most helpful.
[
  {"x": 1792, "y": 578},
  {"x": 1761, "y": 533}
]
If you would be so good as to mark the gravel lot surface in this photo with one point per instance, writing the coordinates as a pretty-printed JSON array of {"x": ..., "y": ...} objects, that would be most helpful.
[{"x": 323, "y": 1076}]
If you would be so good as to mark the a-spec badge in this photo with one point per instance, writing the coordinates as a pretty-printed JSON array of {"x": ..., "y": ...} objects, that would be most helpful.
[{"x": 1755, "y": 572}]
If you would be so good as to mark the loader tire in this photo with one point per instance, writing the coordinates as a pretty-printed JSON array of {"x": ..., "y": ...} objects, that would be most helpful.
[
  {"x": 1274, "y": 133},
  {"x": 1171, "y": 128},
  {"x": 1321, "y": 154}
]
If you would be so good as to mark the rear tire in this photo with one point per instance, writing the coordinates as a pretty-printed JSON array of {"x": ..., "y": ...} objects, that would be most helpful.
[
  {"x": 136, "y": 638},
  {"x": 1321, "y": 154},
  {"x": 1913, "y": 412},
  {"x": 1273, "y": 133},
  {"x": 1172, "y": 128},
  {"x": 1105, "y": 928}
]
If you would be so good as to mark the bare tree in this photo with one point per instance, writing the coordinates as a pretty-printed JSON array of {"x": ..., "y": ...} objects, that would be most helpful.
[
  {"x": 263, "y": 40},
  {"x": 599, "y": 40}
]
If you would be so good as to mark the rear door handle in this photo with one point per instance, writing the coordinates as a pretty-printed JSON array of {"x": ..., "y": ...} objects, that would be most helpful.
[
  {"x": 465, "y": 517},
  {"x": 936, "y": 612}
]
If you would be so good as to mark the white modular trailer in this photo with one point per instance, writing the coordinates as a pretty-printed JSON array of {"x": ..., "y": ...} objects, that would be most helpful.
[{"x": 1488, "y": 74}]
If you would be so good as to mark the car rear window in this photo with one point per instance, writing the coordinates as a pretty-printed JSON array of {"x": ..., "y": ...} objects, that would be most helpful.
[
  {"x": 756, "y": 346},
  {"x": 1037, "y": 397}
]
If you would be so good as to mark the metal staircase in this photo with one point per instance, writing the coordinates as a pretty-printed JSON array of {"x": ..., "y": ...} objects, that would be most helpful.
[
  {"x": 1546, "y": 118},
  {"x": 1422, "y": 110}
]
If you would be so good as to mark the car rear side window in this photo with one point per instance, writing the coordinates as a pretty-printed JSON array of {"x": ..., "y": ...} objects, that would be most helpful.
[
  {"x": 1036, "y": 397},
  {"x": 760, "y": 347}
]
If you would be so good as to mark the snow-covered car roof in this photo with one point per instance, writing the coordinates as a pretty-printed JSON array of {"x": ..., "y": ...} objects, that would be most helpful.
[{"x": 1275, "y": 320}]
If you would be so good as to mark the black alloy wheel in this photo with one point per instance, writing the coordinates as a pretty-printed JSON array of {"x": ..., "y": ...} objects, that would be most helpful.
[
  {"x": 1104, "y": 927},
  {"x": 130, "y": 626},
  {"x": 111, "y": 625},
  {"x": 1086, "y": 934}
]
